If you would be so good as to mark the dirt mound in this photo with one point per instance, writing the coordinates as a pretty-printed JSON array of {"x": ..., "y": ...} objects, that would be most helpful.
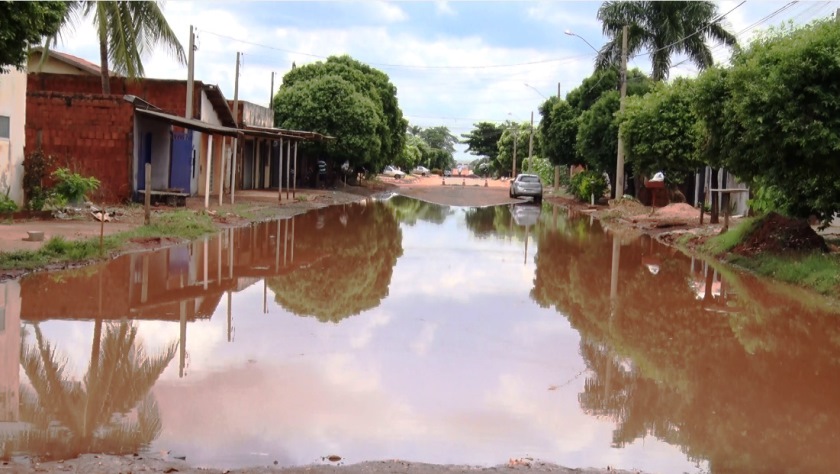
[{"x": 775, "y": 233}]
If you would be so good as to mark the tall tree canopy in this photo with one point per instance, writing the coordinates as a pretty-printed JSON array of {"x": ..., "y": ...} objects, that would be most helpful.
[
  {"x": 776, "y": 113},
  {"x": 558, "y": 131},
  {"x": 514, "y": 132},
  {"x": 25, "y": 24},
  {"x": 127, "y": 31},
  {"x": 483, "y": 140},
  {"x": 349, "y": 100},
  {"x": 662, "y": 28},
  {"x": 597, "y": 134},
  {"x": 661, "y": 131}
]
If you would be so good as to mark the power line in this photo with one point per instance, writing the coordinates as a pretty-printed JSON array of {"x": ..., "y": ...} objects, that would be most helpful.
[
  {"x": 406, "y": 66},
  {"x": 767, "y": 17}
]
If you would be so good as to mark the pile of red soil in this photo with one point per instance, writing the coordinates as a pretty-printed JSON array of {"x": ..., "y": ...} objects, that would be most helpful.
[{"x": 775, "y": 233}]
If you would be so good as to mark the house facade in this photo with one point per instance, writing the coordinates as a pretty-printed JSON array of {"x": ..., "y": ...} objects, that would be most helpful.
[
  {"x": 102, "y": 136},
  {"x": 12, "y": 138}
]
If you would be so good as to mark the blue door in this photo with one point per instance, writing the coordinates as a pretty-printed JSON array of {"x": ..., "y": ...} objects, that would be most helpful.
[
  {"x": 145, "y": 157},
  {"x": 181, "y": 164}
]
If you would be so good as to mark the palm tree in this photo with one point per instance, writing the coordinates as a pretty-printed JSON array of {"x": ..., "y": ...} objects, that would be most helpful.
[
  {"x": 127, "y": 30},
  {"x": 663, "y": 29}
]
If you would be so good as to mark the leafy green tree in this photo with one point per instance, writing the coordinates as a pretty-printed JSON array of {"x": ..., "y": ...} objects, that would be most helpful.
[
  {"x": 26, "y": 24},
  {"x": 590, "y": 89},
  {"x": 662, "y": 28},
  {"x": 558, "y": 131},
  {"x": 413, "y": 153},
  {"x": 778, "y": 116},
  {"x": 483, "y": 140},
  {"x": 440, "y": 137},
  {"x": 127, "y": 31},
  {"x": 513, "y": 132},
  {"x": 360, "y": 110},
  {"x": 661, "y": 131},
  {"x": 597, "y": 135},
  {"x": 334, "y": 106}
]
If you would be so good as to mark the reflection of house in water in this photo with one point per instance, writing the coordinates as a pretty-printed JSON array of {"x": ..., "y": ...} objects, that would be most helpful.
[
  {"x": 708, "y": 286},
  {"x": 183, "y": 283},
  {"x": 9, "y": 353}
]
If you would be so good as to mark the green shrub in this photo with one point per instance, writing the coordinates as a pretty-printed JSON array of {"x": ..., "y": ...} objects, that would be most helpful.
[
  {"x": 7, "y": 206},
  {"x": 71, "y": 187},
  {"x": 587, "y": 183}
]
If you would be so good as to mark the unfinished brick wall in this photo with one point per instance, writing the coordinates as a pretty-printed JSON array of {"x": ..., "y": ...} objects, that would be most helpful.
[
  {"x": 87, "y": 133},
  {"x": 167, "y": 94}
]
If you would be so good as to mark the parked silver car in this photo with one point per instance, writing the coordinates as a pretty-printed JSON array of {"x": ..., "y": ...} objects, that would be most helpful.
[
  {"x": 421, "y": 170},
  {"x": 393, "y": 172},
  {"x": 527, "y": 185}
]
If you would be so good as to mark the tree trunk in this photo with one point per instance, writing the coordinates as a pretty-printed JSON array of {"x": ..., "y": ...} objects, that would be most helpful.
[
  {"x": 103, "y": 61},
  {"x": 714, "y": 214}
]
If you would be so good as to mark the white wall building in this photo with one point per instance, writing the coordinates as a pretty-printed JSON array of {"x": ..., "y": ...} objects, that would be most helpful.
[{"x": 12, "y": 135}]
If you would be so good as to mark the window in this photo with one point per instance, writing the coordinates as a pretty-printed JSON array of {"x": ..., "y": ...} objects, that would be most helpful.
[{"x": 4, "y": 126}]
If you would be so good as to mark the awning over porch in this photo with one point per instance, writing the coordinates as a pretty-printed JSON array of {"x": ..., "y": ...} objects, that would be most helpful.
[
  {"x": 276, "y": 133},
  {"x": 191, "y": 124}
]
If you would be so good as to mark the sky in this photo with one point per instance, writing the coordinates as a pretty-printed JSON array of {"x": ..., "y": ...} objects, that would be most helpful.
[{"x": 454, "y": 63}]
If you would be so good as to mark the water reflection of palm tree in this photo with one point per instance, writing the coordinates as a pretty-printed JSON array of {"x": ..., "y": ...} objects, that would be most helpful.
[{"x": 111, "y": 410}]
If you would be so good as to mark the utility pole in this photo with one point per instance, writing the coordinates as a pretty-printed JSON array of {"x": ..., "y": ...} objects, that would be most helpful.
[
  {"x": 558, "y": 90},
  {"x": 236, "y": 124},
  {"x": 188, "y": 113},
  {"x": 619, "y": 164},
  {"x": 531, "y": 141},
  {"x": 271, "y": 98},
  {"x": 515, "y": 139}
]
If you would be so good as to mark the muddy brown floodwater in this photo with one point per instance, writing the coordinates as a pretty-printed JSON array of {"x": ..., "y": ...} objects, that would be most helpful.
[{"x": 510, "y": 336}]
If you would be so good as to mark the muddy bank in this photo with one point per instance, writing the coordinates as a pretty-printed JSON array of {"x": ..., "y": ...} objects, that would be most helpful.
[{"x": 108, "y": 464}]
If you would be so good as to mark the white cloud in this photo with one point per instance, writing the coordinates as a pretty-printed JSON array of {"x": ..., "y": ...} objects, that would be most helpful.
[
  {"x": 443, "y": 7},
  {"x": 386, "y": 11},
  {"x": 421, "y": 344}
]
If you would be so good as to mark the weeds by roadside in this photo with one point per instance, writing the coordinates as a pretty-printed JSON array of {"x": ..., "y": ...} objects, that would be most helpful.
[{"x": 181, "y": 224}]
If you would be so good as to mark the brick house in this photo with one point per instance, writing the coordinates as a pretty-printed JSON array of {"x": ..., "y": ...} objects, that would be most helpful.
[{"x": 101, "y": 135}]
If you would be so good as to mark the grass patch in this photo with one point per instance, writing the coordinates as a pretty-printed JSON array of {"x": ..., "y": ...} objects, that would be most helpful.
[
  {"x": 817, "y": 271},
  {"x": 684, "y": 240},
  {"x": 728, "y": 240},
  {"x": 180, "y": 224}
]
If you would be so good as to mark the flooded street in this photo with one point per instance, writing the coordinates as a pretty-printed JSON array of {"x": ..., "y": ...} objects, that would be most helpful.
[{"x": 407, "y": 330}]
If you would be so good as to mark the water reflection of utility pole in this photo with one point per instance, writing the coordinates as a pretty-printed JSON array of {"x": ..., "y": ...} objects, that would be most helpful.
[
  {"x": 230, "y": 254},
  {"x": 219, "y": 259},
  {"x": 293, "y": 239},
  {"x": 277, "y": 249},
  {"x": 182, "y": 345},
  {"x": 614, "y": 307},
  {"x": 285, "y": 241},
  {"x": 206, "y": 256},
  {"x": 229, "y": 318},
  {"x": 144, "y": 286}
]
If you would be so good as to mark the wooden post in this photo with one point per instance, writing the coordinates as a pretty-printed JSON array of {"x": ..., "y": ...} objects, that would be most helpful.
[
  {"x": 288, "y": 165},
  {"x": 233, "y": 170},
  {"x": 222, "y": 170},
  {"x": 147, "y": 202},
  {"x": 294, "y": 178},
  {"x": 280, "y": 173},
  {"x": 208, "y": 171},
  {"x": 101, "y": 230}
]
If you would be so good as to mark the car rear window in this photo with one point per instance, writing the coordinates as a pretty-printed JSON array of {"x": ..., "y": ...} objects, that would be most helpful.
[{"x": 529, "y": 179}]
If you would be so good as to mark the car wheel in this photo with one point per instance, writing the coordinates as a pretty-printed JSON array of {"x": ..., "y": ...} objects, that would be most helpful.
[{"x": 511, "y": 194}]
